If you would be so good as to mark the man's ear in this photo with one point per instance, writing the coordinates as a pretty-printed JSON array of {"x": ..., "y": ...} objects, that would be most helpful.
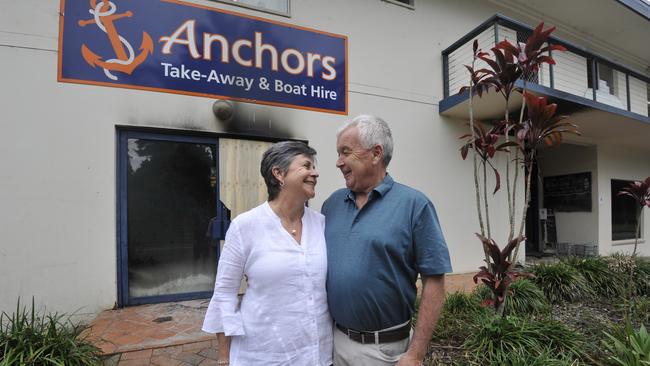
[{"x": 377, "y": 154}]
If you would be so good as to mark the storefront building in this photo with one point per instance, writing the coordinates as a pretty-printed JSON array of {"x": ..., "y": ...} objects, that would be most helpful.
[{"x": 132, "y": 130}]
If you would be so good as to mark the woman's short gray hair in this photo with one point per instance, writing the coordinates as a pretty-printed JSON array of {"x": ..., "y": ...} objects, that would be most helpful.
[
  {"x": 280, "y": 155},
  {"x": 372, "y": 131}
]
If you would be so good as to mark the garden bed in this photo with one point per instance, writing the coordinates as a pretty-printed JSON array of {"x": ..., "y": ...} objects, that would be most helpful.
[{"x": 570, "y": 330}]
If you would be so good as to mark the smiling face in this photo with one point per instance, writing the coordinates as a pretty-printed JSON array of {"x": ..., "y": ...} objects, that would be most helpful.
[
  {"x": 361, "y": 167},
  {"x": 301, "y": 177}
]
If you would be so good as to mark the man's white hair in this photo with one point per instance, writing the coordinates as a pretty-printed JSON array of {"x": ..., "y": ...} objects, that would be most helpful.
[{"x": 372, "y": 131}]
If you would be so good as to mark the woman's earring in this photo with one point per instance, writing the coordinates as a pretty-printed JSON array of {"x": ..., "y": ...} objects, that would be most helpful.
[{"x": 281, "y": 184}]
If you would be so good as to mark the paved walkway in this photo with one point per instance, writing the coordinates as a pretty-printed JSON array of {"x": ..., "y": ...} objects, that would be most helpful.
[
  {"x": 157, "y": 334},
  {"x": 170, "y": 334}
]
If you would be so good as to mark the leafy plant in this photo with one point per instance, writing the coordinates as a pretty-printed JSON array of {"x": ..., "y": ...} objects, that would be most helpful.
[
  {"x": 497, "y": 337},
  {"x": 459, "y": 313},
  {"x": 498, "y": 275},
  {"x": 639, "y": 191},
  {"x": 631, "y": 350},
  {"x": 596, "y": 271},
  {"x": 460, "y": 303},
  {"x": 641, "y": 309},
  {"x": 541, "y": 126},
  {"x": 525, "y": 297},
  {"x": 642, "y": 276},
  {"x": 521, "y": 357},
  {"x": 561, "y": 282},
  {"x": 27, "y": 338}
]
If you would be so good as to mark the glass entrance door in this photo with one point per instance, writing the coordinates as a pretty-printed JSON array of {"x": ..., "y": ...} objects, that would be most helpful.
[
  {"x": 176, "y": 195},
  {"x": 168, "y": 206}
]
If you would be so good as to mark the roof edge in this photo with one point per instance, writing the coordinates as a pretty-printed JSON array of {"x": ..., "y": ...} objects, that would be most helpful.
[{"x": 640, "y": 7}]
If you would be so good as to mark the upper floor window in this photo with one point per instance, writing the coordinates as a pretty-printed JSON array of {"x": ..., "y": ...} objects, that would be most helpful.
[
  {"x": 405, "y": 3},
  {"x": 279, "y": 7}
]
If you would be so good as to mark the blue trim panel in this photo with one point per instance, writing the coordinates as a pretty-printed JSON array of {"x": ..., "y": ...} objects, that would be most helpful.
[
  {"x": 554, "y": 93},
  {"x": 453, "y": 100},
  {"x": 122, "y": 253},
  {"x": 637, "y": 6}
]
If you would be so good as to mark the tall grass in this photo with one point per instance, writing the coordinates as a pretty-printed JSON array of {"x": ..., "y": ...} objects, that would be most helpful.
[
  {"x": 602, "y": 280},
  {"x": 642, "y": 276},
  {"x": 525, "y": 298},
  {"x": 561, "y": 282},
  {"x": 496, "y": 338},
  {"x": 31, "y": 339},
  {"x": 459, "y": 312},
  {"x": 631, "y": 348}
]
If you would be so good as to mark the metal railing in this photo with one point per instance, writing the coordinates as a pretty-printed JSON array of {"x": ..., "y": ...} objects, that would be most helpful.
[{"x": 577, "y": 71}]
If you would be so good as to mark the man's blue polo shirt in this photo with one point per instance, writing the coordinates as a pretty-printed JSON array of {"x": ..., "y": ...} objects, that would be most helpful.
[{"x": 374, "y": 254}]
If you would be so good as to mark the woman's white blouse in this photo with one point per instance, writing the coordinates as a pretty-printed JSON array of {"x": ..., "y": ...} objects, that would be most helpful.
[{"x": 283, "y": 317}]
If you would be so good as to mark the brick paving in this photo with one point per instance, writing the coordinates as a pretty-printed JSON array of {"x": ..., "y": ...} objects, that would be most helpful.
[{"x": 170, "y": 334}]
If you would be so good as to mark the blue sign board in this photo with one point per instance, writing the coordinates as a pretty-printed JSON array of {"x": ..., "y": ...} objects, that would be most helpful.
[{"x": 177, "y": 47}]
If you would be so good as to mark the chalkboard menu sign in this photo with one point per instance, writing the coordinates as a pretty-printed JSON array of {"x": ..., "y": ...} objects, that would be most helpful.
[{"x": 568, "y": 193}]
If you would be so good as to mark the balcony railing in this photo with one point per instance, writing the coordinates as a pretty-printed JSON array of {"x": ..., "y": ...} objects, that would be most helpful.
[{"x": 577, "y": 71}]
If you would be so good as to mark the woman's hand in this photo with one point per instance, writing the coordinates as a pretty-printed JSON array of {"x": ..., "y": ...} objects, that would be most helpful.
[{"x": 224, "y": 350}]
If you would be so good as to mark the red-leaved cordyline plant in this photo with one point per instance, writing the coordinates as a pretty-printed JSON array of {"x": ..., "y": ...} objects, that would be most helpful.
[
  {"x": 499, "y": 277},
  {"x": 640, "y": 192},
  {"x": 507, "y": 66}
]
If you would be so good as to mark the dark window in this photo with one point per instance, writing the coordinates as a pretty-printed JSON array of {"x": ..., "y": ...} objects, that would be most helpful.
[
  {"x": 606, "y": 77},
  {"x": 171, "y": 197},
  {"x": 590, "y": 75},
  {"x": 407, "y": 3},
  {"x": 648, "y": 87},
  {"x": 624, "y": 212},
  {"x": 280, "y": 7}
]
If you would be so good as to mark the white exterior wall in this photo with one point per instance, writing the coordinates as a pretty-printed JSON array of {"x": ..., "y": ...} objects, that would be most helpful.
[
  {"x": 573, "y": 227},
  {"x": 58, "y": 147},
  {"x": 570, "y": 73},
  {"x": 638, "y": 96},
  {"x": 58, "y": 185}
]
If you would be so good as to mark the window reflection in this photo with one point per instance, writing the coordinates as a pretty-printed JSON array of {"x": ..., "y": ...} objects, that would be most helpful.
[{"x": 171, "y": 199}]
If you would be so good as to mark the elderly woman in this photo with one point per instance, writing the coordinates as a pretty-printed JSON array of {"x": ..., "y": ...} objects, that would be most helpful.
[{"x": 280, "y": 247}]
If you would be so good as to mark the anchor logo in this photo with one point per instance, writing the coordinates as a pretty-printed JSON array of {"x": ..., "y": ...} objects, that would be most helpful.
[{"x": 104, "y": 15}]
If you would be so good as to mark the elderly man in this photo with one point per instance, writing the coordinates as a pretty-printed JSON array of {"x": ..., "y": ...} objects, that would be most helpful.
[{"x": 380, "y": 234}]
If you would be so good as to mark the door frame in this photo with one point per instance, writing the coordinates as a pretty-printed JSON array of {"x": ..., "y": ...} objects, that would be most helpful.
[
  {"x": 123, "y": 133},
  {"x": 122, "y": 209}
]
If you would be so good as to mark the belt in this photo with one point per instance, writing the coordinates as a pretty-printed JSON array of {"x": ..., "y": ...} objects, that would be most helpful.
[{"x": 386, "y": 336}]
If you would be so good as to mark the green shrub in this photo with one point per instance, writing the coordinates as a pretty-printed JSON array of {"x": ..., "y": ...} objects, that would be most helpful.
[
  {"x": 495, "y": 337},
  {"x": 459, "y": 303},
  {"x": 27, "y": 338},
  {"x": 631, "y": 349},
  {"x": 641, "y": 309},
  {"x": 482, "y": 292},
  {"x": 600, "y": 278},
  {"x": 459, "y": 313},
  {"x": 525, "y": 297},
  {"x": 642, "y": 276},
  {"x": 561, "y": 282},
  {"x": 523, "y": 358}
]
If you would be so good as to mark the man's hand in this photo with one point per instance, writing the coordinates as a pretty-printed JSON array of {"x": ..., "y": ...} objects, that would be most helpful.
[
  {"x": 408, "y": 360},
  {"x": 433, "y": 296}
]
